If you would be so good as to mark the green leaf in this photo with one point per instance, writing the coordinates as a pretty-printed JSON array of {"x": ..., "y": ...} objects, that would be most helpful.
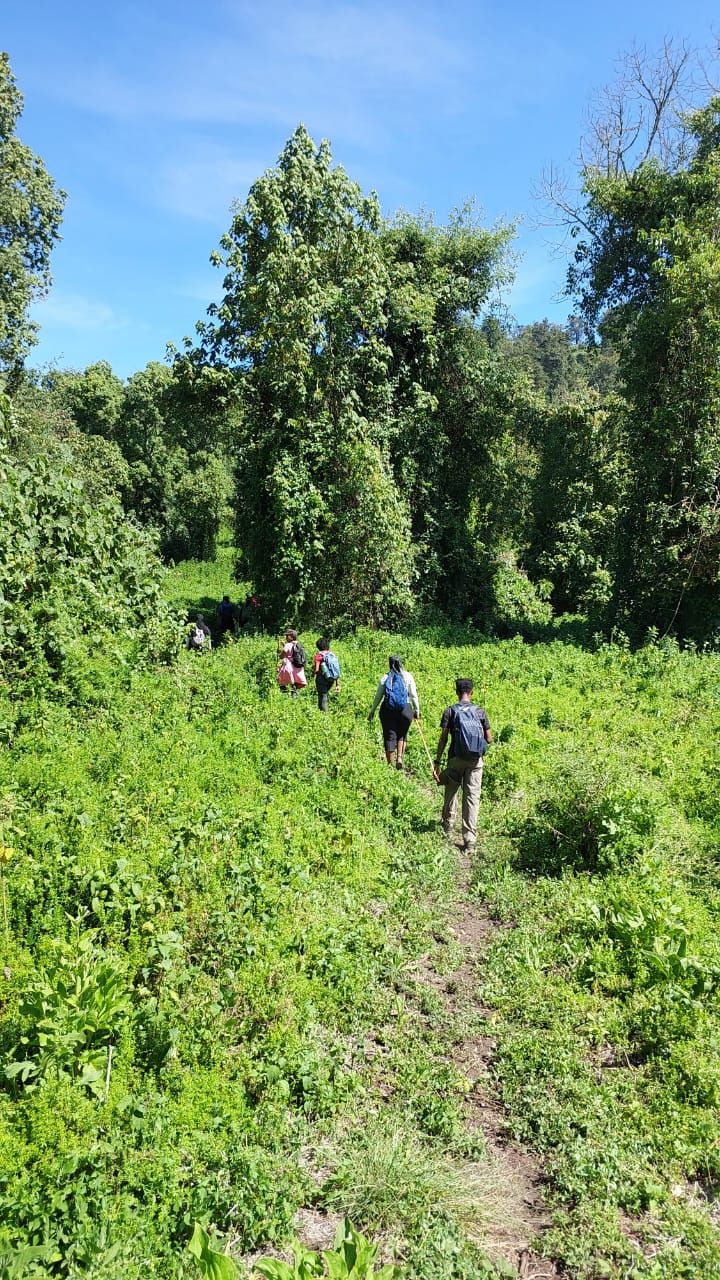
[{"x": 216, "y": 1265}]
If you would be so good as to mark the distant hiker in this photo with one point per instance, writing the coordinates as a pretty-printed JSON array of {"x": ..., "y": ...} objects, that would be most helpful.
[
  {"x": 247, "y": 611},
  {"x": 397, "y": 698},
  {"x": 469, "y": 730},
  {"x": 291, "y": 668},
  {"x": 199, "y": 635},
  {"x": 327, "y": 672},
  {"x": 226, "y": 617}
]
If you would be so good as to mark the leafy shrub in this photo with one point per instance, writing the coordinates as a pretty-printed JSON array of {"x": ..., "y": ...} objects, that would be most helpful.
[
  {"x": 587, "y": 821},
  {"x": 353, "y": 1258},
  {"x": 74, "y": 1009},
  {"x": 78, "y": 579},
  {"x": 517, "y": 605}
]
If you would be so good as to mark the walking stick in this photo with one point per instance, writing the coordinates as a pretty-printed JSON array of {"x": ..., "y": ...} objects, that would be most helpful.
[{"x": 427, "y": 752}]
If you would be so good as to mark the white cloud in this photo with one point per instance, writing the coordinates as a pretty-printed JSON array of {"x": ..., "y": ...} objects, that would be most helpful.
[
  {"x": 73, "y": 311},
  {"x": 339, "y": 68}
]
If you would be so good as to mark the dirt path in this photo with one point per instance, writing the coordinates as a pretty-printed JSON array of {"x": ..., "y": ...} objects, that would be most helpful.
[{"x": 523, "y": 1215}]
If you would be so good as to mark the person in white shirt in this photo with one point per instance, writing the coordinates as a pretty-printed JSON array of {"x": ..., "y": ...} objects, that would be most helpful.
[{"x": 398, "y": 701}]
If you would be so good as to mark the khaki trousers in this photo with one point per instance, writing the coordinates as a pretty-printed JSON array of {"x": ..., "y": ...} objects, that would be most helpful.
[{"x": 468, "y": 775}]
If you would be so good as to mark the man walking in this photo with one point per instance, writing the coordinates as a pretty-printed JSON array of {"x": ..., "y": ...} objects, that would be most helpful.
[{"x": 469, "y": 730}]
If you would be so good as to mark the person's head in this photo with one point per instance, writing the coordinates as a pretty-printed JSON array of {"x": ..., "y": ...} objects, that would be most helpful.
[
  {"x": 464, "y": 688},
  {"x": 394, "y": 662},
  {"x": 226, "y": 599},
  {"x": 200, "y": 618},
  {"x": 323, "y": 644},
  {"x": 290, "y": 634}
]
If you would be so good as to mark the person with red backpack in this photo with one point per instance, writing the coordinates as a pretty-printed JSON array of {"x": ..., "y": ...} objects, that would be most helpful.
[
  {"x": 468, "y": 727},
  {"x": 397, "y": 698},
  {"x": 291, "y": 667}
]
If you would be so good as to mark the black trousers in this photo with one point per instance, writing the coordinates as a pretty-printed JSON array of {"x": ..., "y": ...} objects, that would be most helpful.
[
  {"x": 395, "y": 724},
  {"x": 323, "y": 686}
]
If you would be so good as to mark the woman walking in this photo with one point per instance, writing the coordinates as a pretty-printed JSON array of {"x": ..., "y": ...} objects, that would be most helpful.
[
  {"x": 327, "y": 672},
  {"x": 291, "y": 667},
  {"x": 398, "y": 701}
]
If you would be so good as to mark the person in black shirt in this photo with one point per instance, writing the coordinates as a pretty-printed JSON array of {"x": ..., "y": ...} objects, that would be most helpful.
[{"x": 469, "y": 731}]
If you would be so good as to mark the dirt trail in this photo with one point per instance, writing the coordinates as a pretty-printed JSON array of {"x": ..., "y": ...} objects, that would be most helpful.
[{"x": 524, "y": 1213}]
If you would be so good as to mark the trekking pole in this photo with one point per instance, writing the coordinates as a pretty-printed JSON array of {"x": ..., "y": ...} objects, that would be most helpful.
[{"x": 427, "y": 751}]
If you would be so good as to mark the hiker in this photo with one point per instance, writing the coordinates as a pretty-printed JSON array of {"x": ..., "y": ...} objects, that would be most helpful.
[
  {"x": 327, "y": 672},
  {"x": 226, "y": 614},
  {"x": 199, "y": 638},
  {"x": 246, "y": 611},
  {"x": 397, "y": 698},
  {"x": 291, "y": 668},
  {"x": 469, "y": 731}
]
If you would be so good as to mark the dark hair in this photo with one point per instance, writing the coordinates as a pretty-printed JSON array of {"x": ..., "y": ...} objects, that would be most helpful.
[
  {"x": 290, "y": 634},
  {"x": 201, "y": 617},
  {"x": 226, "y": 598},
  {"x": 463, "y": 686},
  {"x": 323, "y": 643},
  {"x": 395, "y": 662}
]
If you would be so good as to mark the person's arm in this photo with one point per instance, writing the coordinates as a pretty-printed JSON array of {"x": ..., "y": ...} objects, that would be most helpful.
[
  {"x": 317, "y": 661},
  {"x": 378, "y": 699},
  {"x": 442, "y": 743},
  {"x": 412, "y": 694},
  {"x": 486, "y": 726}
]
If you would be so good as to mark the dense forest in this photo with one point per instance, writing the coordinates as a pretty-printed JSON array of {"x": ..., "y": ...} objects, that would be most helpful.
[
  {"x": 233, "y": 999},
  {"x": 386, "y": 443}
]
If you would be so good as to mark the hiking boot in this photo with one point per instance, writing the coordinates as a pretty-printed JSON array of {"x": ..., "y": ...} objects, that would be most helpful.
[{"x": 469, "y": 848}]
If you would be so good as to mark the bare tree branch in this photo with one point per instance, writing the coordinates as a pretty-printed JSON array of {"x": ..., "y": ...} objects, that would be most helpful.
[{"x": 641, "y": 115}]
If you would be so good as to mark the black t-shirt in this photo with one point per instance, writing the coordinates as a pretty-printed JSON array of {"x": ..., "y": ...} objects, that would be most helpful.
[{"x": 447, "y": 721}]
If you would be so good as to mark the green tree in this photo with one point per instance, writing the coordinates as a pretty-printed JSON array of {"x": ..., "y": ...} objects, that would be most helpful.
[
  {"x": 30, "y": 215},
  {"x": 545, "y": 352},
  {"x": 647, "y": 271},
  {"x": 578, "y": 491},
  {"x": 302, "y": 323},
  {"x": 80, "y": 583},
  {"x": 454, "y": 398}
]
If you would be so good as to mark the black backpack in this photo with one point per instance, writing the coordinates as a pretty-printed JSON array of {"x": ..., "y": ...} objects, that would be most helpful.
[{"x": 297, "y": 655}]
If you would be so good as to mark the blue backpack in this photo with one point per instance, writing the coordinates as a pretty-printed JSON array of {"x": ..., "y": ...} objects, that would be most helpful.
[
  {"x": 396, "y": 694},
  {"x": 330, "y": 667},
  {"x": 467, "y": 730}
]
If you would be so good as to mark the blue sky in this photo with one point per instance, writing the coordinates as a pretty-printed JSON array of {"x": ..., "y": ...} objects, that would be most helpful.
[{"x": 154, "y": 116}]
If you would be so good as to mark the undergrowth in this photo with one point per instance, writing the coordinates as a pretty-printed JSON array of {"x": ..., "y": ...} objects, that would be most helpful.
[{"x": 214, "y": 895}]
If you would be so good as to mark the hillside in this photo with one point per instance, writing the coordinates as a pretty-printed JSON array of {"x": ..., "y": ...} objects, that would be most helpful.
[{"x": 244, "y": 976}]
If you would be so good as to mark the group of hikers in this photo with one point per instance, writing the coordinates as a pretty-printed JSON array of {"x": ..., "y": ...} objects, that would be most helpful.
[
  {"x": 463, "y": 723},
  {"x": 231, "y": 619}
]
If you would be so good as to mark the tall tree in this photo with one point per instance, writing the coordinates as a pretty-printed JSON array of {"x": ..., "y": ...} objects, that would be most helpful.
[
  {"x": 322, "y": 524},
  {"x": 453, "y": 392},
  {"x": 648, "y": 273},
  {"x": 30, "y": 214}
]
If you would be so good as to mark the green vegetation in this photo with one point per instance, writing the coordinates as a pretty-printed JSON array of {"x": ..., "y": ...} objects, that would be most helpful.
[{"x": 215, "y": 894}]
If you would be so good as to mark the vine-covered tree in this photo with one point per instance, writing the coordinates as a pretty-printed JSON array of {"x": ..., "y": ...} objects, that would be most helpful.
[
  {"x": 321, "y": 521},
  {"x": 452, "y": 393},
  {"x": 648, "y": 273},
  {"x": 30, "y": 214}
]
